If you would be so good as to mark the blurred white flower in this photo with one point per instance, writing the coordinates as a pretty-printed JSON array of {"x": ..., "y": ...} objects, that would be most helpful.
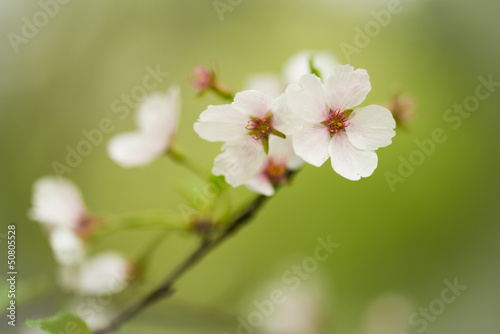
[
  {"x": 157, "y": 119},
  {"x": 388, "y": 314},
  {"x": 300, "y": 313},
  {"x": 273, "y": 171},
  {"x": 104, "y": 273},
  {"x": 296, "y": 66},
  {"x": 269, "y": 83},
  {"x": 57, "y": 203},
  {"x": 331, "y": 128},
  {"x": 58, "y": 206}
]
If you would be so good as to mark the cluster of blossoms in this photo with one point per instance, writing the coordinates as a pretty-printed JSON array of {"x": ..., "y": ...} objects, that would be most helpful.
[
  {"x": 269, "y": 130},
  {"x": 310, "y": 120},
  {"x": 59, "y": 207},
  {"x": 275, "y": 126}
]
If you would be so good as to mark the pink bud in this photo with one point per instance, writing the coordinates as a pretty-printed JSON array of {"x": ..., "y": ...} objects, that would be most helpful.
[{"x": 202, "y": 78}]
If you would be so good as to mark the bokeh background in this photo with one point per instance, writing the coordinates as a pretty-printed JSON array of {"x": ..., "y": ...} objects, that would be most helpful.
[{"x": 441, "y": 223}]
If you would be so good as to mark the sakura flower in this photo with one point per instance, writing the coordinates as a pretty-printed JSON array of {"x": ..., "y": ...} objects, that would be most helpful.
[
  {"x": 296, "y": 66},
  {"x": 300, "y": 313},
  {"x": 246, "y": 126},
  {"x": 104, "y": 273},
  {"x": 57, "y": 202},
  {"x": 156, "y": 119},
  {"x": 332, "y": 128},
  {"x": 239, "y": 161},
  {"x": 274, "y": 169},
  {"x": 58, "y": 206}
]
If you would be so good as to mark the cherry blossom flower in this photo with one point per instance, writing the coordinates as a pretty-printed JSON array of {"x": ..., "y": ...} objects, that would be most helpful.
[
  {"x": 332, "y": 128},
  {"x": 239, "y": 161},
  {"x": 300, "y": 313},
  {"x": 104, "y": 273},
  {"x": 157, "y": 118},
  {"x": 246, "y": 126},
  {"x": 296, "y": 66},
  {"x": 107, "y": 272},
  {"x": 273, "y": 171},
  {"x": 59, "y": 207},
  {"x": 57, "y": 202}
]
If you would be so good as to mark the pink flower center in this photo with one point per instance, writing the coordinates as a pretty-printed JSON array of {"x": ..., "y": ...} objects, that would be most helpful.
[
  {"x": 336, "y": 121},
  {"x": 259, "y": 128},
  {"x": 275, "y": 170}
]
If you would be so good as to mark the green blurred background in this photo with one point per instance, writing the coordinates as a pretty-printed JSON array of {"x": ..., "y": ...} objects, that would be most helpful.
[{"x": 441, "y": 223}]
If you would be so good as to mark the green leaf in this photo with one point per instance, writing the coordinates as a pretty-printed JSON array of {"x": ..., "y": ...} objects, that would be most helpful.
[{"x": 61, "y": 323}]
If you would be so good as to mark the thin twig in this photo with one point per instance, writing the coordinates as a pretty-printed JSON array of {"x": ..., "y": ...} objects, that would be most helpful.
[{"x": 165, "y": 290}]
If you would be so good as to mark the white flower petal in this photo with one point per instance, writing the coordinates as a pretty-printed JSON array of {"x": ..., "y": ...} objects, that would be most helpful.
[
  {"x": 158, "y": 114},
  {"x": 157, "y": 117},
  {"x": 298, "y": 65},
  {"x": 283, "y": 119},
  {"x": 240, "y": 161},
  {"x": 104, "y": 273},
  {"x": 348, "y": 161},
  {"x": 253, "y": 103},
  {"x": 268, "y": 83},
  {"x": 57, "y": 202},
  {"x": 67, "y": 247},
  {"x": 371, "y": 127},
  {"x": 260, "y": 184},
  {"x": 311, "y": 143},
  {"x": 346, "y": 87},
  {"x": 307, "y": 105},
  {"x": 221, "y": 123},
  {"x": 133, "y": 149},
  {"x": 283, "y": 149}
]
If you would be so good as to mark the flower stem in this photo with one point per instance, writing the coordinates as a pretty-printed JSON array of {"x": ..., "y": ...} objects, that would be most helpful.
[
  {"x": 165, "y": 289},
  {"x": 176, "y": 154},
  {"x": 222, "y": 92}
]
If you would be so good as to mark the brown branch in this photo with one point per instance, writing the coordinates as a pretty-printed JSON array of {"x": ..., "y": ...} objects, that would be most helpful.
[{"x": 165, "y": 289}]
